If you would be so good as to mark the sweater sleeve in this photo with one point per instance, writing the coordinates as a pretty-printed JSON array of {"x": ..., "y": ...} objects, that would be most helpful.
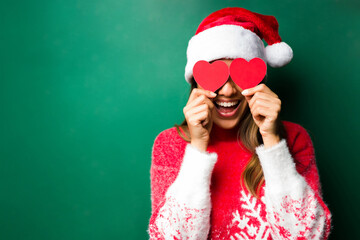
[
  {"x": 294, "y": 205},
  {"x": 181, "y": 203}
]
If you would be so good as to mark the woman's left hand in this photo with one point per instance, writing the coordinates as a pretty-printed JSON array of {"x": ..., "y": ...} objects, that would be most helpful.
[{"x": 265, "y": 107}]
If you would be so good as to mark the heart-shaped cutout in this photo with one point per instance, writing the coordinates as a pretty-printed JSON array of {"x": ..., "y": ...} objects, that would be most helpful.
[
  {"x": 211, "y": 76},
  {"x": 247, "y": 74}
]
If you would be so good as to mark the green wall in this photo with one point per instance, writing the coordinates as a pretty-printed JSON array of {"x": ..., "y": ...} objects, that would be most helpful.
[{"x": 85, "y": 87}]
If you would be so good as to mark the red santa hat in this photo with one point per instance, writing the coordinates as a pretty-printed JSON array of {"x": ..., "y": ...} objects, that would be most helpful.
[{"x": 237, "y": 33}]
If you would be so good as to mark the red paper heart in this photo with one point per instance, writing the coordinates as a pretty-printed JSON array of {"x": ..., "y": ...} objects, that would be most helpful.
[
  {"x": 211, "y": 76},
  {"x": 247, "y": 74}
]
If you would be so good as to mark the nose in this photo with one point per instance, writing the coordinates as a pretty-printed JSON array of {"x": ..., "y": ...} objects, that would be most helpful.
[{"x": 228, "y": 89}]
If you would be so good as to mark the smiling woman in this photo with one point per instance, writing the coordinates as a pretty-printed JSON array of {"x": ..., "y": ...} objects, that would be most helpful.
[
  {"x": 233, "y": 169},
  {"x": 247, "y": 131}
]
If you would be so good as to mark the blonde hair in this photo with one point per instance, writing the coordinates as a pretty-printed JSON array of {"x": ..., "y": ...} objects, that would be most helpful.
[{"x": 248, "y": 133}]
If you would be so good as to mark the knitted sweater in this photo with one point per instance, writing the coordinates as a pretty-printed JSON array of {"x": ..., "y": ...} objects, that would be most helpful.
[{"x": 198, "y": 195}]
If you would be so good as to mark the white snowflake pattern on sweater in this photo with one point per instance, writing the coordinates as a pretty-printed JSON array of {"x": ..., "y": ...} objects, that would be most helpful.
[
  {"x": 253, "y": 210},
  {"x": 171, "y": 225}
]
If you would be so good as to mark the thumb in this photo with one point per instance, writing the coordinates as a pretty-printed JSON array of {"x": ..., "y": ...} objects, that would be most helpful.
[{"x": 248, "y": 98}]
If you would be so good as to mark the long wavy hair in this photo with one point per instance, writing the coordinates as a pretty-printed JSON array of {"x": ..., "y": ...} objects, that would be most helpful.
[{"x": 248, "y": 133}]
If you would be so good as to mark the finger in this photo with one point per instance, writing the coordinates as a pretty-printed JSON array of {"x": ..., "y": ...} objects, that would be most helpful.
[
  {"x": 262, "y": 103},
  {"x": 197, "y": 92},
  {"x": 258, "y": 114},
  {"x": 197, "y": 109},
  {"x": 271, "y": 109},
  {"x": 250, "y": 92},
  {"x": 200, "y": 110},
  {"x": 198, "y": 118},
  {"x": 264, "y": 97},
  {"x": 251, "y": 98},
  {"x": 264, "y": 112},
  {"x": 207, "y": 120},
  {"x": 198, "y": 101},
  {"x": 259, "y": 88},
  {"x": 248, "y": 98}
]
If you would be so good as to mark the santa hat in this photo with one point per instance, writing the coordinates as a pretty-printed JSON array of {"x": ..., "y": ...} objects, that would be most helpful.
[{"x": 237, "y": 33}]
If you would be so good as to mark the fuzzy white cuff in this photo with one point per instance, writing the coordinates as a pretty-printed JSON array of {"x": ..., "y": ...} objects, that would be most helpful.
[
  {"x": 279, "y": 169},
  {"x": 192, "y": 185}
]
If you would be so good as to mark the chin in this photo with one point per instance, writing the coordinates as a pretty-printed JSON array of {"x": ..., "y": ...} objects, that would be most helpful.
[{"x": 226, "y": 124}]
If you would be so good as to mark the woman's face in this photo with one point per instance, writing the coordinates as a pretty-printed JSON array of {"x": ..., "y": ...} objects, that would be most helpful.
[{"x": 228, "y": 115}]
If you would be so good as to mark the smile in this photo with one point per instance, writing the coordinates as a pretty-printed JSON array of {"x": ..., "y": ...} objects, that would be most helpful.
[{"x": 227, "y": 109}]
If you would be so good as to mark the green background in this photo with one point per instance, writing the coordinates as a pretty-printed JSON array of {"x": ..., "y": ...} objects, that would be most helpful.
[{"x": 87, "y": 85}]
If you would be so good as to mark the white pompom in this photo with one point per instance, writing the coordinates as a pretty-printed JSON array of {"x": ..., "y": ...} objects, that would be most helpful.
[{"x": 278, "y": 54}]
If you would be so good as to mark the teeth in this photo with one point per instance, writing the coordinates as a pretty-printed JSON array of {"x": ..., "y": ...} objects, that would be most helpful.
[{"x": 227, "y": 104}]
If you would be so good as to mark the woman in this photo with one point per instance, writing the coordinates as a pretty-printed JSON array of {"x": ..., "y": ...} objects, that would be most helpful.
[{"x": 232, "y": 169}]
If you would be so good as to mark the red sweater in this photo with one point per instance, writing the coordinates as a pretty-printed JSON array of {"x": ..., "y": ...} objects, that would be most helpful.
[{"x": 198, "y": 195}]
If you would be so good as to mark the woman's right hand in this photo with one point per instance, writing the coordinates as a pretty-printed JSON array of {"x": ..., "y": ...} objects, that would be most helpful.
[{"x": 197, "y": 113}]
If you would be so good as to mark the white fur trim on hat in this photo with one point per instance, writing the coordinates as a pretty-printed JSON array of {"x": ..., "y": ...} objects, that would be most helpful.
[
  {"x": 278, "y": 54},
  {"x": 223, "y": 41}
]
